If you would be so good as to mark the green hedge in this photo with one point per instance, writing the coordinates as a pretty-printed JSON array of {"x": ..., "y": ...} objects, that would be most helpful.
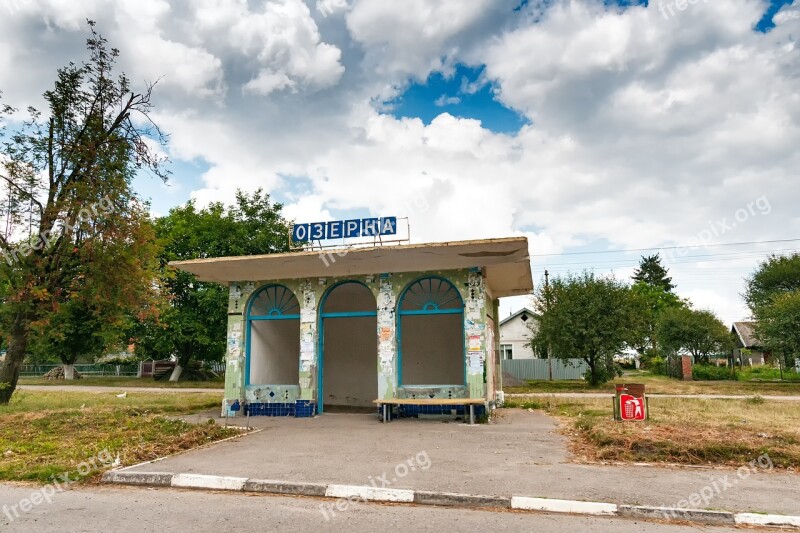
[
  {"x": 757, "y": 373},
  {"x": 712, "y": 373},
  {"x": 766, "y": 373}
]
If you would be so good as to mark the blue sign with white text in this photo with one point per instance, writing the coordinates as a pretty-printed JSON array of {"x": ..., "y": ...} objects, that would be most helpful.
[{"x": 344, "y": 229}]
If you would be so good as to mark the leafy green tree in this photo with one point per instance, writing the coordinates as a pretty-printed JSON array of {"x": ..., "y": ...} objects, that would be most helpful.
[
  {"x": 192, "y": 325},
  {"x": 92, "y": 317},
  {"x": 776, "y": 276},
  {"x": 650, "y": 302},
  {"x": 652, "y": 295},
  {"x": 652, "y": 272},
  {"x": 67, "y": 198},
  {"x": 586, "y": 317},
  {"x": 772, "y": 294},
  {"x": 779, "y": 326},
  {"x": 698, "y": 332}
]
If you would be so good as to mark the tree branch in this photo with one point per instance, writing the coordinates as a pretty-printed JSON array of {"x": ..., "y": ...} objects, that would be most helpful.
[{"x": 29, "y": 195}]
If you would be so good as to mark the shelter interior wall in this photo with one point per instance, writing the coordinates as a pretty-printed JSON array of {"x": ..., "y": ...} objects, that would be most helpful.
[
  {"x": 432, "y": 349},
  {"x": 274, "y": 346}
]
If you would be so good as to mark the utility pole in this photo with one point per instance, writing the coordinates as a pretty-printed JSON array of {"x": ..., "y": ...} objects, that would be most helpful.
[{"x": 547, "y": 301}]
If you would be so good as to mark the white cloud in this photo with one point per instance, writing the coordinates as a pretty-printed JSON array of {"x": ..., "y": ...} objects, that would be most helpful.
[
  {"x": 444, "y": 100},
  {"x": 286, "y": 43},
  {"x": 177, "y": 66},
  {"x": 418, "y": 36},
  {"x": 308, "y": 208},
  {"x": 332, "y": 7},
  {"x": 641, "y": 129}
]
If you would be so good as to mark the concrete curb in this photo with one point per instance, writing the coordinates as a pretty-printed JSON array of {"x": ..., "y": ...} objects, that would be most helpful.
[
  {"x": 283, "y": 487},
  {"x": 424, "y": 497},
  {"x": 200, "y": 481},
  {"x": 150, "y": 479},
  {"x": 451, "y": 499},
  {"x": 699, "y": 516},
  {"x": 563, "y": 506},
  {"x": 753, "y": 519},
  {"x": 374, "y": 494}
]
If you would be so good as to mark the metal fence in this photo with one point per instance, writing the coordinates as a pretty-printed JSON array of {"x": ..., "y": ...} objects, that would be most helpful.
[
  {"x": 129, "y": 370},
  {"x": 538, "y": 369},
  {"x": 33, "y": 371}
]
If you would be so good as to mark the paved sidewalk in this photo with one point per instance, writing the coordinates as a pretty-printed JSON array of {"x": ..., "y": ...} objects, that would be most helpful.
[{"x": 520, "y": 454}]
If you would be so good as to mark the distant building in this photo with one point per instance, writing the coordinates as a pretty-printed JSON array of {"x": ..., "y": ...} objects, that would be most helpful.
[
  {"x": 515, "y": 333},
  {"x": 748, "y": 350}
]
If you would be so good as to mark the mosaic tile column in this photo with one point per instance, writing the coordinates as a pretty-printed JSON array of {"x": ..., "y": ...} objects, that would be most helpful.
[
  {"x": 475, "y": 333},
  {"x": 309, "y": 362},
  {"x": 387, "y": 343},
  {"x": 234, "y": 351}
]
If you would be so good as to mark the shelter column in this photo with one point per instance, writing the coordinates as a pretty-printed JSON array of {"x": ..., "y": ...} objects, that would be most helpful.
[
  {"x": 234, "y": 350},
  {"x": 387, "y": 339},
  {"x": 309, "y": 358},
  {"x": 477, "y": 338}
]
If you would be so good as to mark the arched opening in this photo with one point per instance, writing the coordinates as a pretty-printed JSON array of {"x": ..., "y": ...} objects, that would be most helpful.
[
  {"x": 431, "y": 334},
  {"x": 273, "y": 337},
  {"x": 348, "y": 369}
]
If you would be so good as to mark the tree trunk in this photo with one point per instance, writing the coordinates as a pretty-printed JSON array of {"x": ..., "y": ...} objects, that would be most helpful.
[
  {"x": 15, "y": 356},
  {"x": 69, "y": 372},
  {"x": 592, "y": 374},
  {"x": 176, "y": 372}
]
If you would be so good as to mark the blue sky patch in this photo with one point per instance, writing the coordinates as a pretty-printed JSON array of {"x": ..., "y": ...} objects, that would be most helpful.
[
  {"x": 465, "y": 94},
  {"x": 766, "y": 23},
  {"x": 185, "y": 177}
]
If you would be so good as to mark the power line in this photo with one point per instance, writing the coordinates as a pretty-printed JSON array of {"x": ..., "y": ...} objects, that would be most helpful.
[
  {"x": 683, "y": 260},
  {"x": 668, "y": 248}
]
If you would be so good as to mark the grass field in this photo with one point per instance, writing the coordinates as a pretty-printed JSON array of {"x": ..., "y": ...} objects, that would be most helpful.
[
  {"x": 112, "y": 381},
  {"x": 665, "y": 385},
  {"x": 44, "y": 434},
  {"x": 680, "y": 430}
]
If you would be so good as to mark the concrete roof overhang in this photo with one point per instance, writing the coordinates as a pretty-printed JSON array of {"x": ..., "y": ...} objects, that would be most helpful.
[{"x": 505, "y": 262}]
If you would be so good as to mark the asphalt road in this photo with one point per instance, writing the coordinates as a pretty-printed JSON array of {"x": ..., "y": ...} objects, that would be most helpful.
[{"x": 124, "y": 509}]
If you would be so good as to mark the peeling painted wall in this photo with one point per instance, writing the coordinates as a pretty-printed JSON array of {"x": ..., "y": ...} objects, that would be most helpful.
[{"x": 386, "y": 289}]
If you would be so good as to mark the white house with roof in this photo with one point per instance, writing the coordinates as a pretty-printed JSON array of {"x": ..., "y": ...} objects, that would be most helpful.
[{"x": 515, "y": 333}]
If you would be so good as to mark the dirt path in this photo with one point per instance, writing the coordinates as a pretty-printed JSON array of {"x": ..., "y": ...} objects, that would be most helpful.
[{"x": 96, "y": 388}]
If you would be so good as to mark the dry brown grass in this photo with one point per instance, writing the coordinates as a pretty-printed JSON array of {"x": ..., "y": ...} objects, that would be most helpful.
[
  {"x": 43, "y": 434},
  {"x": 664, "y": 385},
  {"x": 682, "y": 431}
]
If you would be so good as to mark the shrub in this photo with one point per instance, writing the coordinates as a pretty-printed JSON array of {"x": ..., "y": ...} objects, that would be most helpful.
[
  {"x": 766, "y": 373},
  {"x": 711, "y": 373},
  {"x": 658, "y": 366}
]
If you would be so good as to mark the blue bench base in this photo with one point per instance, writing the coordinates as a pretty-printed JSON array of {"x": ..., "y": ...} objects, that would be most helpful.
[{"x": 298, "y": 408}]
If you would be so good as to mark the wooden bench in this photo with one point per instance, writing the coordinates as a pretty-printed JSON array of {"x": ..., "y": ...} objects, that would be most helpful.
[{"x": 385, "y": 405}]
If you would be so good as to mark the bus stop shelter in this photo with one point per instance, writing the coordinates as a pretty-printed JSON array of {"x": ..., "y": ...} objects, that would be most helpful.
[{"x": 314, "y": 330}]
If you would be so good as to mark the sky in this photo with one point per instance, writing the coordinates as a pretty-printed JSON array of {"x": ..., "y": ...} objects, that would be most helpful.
[{"x": 600, "y": 130}]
